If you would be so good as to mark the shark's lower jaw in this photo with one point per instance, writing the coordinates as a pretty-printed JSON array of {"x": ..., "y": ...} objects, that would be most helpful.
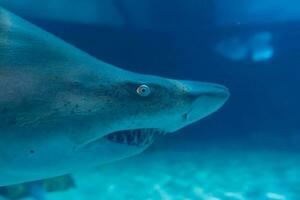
[{"x": 136, "y": 137}]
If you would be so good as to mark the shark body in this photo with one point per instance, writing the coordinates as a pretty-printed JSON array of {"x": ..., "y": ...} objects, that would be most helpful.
[{"x": 62, "y": 110}]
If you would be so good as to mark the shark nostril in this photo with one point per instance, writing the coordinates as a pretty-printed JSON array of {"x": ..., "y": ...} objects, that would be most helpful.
[{"x": 186, "y": 116}]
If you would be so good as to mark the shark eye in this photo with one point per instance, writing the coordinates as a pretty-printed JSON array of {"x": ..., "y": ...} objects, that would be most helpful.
[{"x": 143, "y": 90}]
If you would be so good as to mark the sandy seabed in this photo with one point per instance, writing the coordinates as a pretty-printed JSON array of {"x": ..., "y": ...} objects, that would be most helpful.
[{"x": 206, "y": 174}]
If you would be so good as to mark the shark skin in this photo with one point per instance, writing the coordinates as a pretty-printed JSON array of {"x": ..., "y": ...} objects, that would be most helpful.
[{"x": 62, "y": 110}]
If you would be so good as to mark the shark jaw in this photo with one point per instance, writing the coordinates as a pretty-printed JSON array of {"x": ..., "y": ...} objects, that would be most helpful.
[{"x": 136, "y": 137}]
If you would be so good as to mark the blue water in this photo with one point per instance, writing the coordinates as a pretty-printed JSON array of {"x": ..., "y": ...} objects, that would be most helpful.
[{"x": 247, "y": 150}]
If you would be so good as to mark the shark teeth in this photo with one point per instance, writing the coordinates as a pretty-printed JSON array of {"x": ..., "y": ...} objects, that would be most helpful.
[{"x": 137, "y": 137}]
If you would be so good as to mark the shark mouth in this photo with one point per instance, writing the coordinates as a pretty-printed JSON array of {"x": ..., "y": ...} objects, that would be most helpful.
[{"x": 137, "y": 137}]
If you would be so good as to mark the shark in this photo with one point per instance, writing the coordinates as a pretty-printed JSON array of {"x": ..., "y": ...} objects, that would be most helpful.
[{"x": 63, "y": 110}]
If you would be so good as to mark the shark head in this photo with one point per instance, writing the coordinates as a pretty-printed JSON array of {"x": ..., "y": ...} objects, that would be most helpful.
[
  {"x": 149, "y": 102},
  {"x": 141, "y": 108}
]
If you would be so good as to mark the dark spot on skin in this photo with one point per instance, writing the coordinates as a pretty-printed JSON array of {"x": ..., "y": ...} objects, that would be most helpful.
[
  {"x": 81, "y": 125},
  {"x": 12, "y": 121},
  {"x": 89, "y": 128},
  {"x": 4, "y": 110},
  {"x": 67, "y": 103},
  {"x": 32, "y": 151},
  {"x": 73, "y": 132}
]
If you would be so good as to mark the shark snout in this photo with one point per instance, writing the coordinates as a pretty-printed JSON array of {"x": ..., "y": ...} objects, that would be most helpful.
[
  {"x": 206, "y": 99},
  {"x": 197, "y": 89}
]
